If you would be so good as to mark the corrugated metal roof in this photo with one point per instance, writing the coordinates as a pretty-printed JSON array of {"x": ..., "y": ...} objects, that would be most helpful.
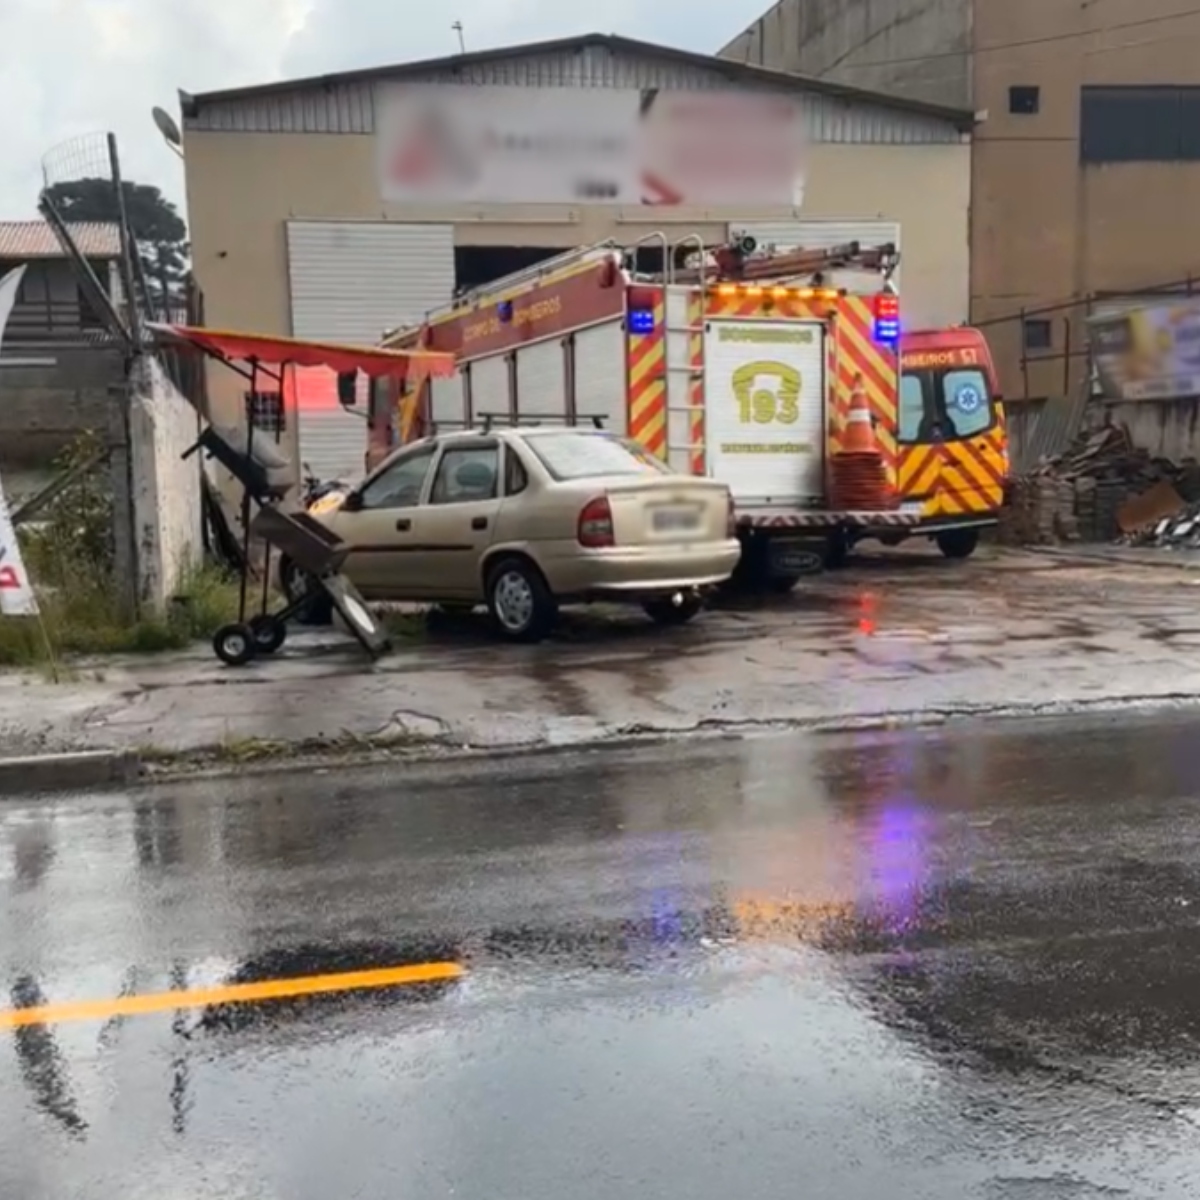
[
  {"x": 1048, "y": 431},
  {"x": 735, "y": 72},
  {"x": 35, "y": 239}
]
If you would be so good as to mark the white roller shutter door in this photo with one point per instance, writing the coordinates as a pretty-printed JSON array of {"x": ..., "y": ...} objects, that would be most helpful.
[
  {"x": 600, "y": 376},
  {"x": 541, "y": 379},
  {"x": 349, "y": 281},
  {"x": 489, "y": 387}
]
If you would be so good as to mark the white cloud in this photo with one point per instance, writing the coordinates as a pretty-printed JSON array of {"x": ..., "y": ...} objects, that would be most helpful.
[{"x": 74, "y": 67}]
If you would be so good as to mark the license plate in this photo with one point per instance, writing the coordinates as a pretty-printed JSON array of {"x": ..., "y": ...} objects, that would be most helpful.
[
  {"x": 675, "y": 520},
  {"x": 913, "y": 506}
]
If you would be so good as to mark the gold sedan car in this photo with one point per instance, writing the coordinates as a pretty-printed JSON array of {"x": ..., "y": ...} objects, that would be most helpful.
[{"x": 526, "y": 519}]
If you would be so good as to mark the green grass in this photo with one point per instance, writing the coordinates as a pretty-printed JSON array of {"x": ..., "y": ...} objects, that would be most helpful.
[
  {"x": 80, "y": 616},
  {"x": 69, "y": 555}
]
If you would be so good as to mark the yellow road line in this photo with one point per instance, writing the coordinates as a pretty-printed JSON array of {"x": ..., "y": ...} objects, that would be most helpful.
[{"x": 235, "y": 993}]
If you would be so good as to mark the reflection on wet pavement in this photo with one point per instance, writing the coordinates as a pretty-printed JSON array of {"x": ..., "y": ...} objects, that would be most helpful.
[{"x": 922, "y": 965}]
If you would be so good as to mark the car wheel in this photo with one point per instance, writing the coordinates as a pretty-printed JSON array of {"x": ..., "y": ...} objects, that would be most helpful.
[
  {"x": 958, "y": 543},
  {"x": 522, "y": 607},
  {"x": 664, "y": 612}
]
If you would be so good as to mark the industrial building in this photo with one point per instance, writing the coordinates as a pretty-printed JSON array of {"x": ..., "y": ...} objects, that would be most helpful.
[
  {"x": 297, "y": 227},
  {"x": 1086, "y": 157}
]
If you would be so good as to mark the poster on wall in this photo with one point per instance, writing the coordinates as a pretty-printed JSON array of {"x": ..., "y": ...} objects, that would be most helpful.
[
  {"x": 1150, "y": 352},
  {"x": 442, "y": 143},
  {"x": 16, "y": 593}
]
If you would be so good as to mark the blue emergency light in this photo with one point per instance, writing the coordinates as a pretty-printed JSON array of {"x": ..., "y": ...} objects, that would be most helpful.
[
  {"x": 887, "y": 319},
  {"x": 641, "y": 320},
  {"x": 504, "y": 310}
]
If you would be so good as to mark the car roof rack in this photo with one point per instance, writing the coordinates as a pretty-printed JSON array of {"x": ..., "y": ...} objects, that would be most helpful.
[{"x": 516, "y": 419}]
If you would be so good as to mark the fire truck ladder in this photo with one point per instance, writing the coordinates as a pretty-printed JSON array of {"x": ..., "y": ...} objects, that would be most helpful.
[
  {"x": 686, "y": 445},
  {"x": 740, "y": 263}
]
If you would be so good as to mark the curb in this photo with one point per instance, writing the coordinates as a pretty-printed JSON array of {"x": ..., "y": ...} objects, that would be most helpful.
[
  {"x": 106, "y": 769},
  {"x": 67, "y": 772}
]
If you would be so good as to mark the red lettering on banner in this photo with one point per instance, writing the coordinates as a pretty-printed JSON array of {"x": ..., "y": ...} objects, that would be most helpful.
[{"x": 10, "y": 581}]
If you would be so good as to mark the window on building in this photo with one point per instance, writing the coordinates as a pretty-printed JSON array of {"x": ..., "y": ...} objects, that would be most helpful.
[
  {"x": 475, "y": 266},
  {"x": 1139, "y": 124},
  {"x": 266, "y": 412},
  {"x": 1024, "y": 101},
  {"x": 1038, "y": 334}
]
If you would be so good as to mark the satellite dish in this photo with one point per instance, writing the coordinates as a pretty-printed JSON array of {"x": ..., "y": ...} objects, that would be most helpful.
[{"x": 167, "y": 126}]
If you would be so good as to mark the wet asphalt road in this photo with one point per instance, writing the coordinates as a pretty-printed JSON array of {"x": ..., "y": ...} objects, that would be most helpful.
[{"x": 932, "y": 964}]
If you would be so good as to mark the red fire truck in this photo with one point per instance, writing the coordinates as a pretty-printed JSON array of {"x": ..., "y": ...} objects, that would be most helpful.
[{"x": 740, "y": 364}]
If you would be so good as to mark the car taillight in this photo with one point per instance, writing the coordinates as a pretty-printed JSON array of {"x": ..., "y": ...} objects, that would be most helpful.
[
  {"x": 730, "y": 517},
  {"x": 596, "y": 524}
]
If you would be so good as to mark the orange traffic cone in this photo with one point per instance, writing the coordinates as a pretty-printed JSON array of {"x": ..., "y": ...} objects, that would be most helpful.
[
  {"x": 859, "y": 435},
  {"x": 859, "y": 474}
]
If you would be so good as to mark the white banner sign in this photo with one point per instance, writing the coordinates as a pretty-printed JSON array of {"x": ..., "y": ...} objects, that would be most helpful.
[
  {"x": 443, "y": 143},
  {"x": 16, "y": 593},
  {"x": 9, "y": 285}
]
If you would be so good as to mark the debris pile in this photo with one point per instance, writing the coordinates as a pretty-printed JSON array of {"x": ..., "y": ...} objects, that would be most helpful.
[
  {"x": 1099, "y": 489},
  {"x": 1180, "y": 531}
]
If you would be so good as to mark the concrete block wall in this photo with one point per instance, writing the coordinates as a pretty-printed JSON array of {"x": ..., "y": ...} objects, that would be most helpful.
[{"x": 48, "y": 397}]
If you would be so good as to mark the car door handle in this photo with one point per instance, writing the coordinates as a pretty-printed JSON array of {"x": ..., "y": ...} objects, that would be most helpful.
[
  {"x": 403, "y": 525},
  {"x": 479, "y": 523}
]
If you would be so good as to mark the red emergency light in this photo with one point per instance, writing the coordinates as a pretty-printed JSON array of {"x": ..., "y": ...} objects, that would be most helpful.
[
  {"x": 887, "y": 306},
  {"x": 887, "y": 318}
]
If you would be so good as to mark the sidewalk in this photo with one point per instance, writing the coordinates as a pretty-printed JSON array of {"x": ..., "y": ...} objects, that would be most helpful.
[{"x": 886, "y": 642}]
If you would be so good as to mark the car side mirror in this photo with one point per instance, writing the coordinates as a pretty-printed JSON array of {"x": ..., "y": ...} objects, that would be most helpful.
[{"x": 353, "y": 502}]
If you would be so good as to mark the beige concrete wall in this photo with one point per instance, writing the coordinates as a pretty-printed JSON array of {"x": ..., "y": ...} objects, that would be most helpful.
[
  {"x": 242, "y": 188},
  {"x": 53, "y": 397},
  {"x": 1046, "y": 229},
  {"x": 914, "y": 48}
]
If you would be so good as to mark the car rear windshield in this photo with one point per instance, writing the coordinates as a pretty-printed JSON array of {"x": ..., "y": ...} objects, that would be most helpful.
[{"x": 588, "y": 455}]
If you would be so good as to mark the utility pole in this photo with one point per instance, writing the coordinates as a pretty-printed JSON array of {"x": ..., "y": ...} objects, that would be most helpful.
[{"x": 458, "y": 28}]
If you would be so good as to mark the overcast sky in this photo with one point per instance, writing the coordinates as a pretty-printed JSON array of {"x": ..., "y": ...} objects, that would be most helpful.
[{"x": 74, "y": 67}]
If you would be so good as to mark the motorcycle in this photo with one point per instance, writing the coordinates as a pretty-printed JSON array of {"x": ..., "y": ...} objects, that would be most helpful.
[
  {"x": 315, "y": 494},
  {"x": 313, "y": 489}
]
